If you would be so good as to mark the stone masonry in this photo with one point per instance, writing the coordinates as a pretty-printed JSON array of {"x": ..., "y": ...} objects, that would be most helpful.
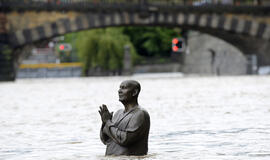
[{"x": 212, "y": 56}]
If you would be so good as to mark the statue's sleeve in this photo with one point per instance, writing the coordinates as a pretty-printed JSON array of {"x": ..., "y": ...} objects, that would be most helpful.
[
  {"x": 103, "y": 136},
  {"x": 136, "y": 128}
]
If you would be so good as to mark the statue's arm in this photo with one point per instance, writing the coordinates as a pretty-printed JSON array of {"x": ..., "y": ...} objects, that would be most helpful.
[
  {"x": 103, "y": 136},
  {"x": 134, "y": 131}
]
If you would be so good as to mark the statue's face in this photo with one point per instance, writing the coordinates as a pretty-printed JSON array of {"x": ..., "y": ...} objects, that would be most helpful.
[{"x": 126, "y": 91}]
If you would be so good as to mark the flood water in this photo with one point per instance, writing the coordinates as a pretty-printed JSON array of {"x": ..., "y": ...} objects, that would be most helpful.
[{"x": 209, "y": 118}]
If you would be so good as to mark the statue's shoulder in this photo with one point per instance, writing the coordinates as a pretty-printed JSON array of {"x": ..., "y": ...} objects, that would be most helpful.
[{"x": 142, "y": 111}]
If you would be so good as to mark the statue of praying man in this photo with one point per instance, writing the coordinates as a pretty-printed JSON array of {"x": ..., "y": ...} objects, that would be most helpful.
[{"x": 126, "y": 132}]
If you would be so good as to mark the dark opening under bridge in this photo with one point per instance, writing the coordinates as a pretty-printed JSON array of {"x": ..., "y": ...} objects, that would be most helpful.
[{"x": 23, "y": 22}]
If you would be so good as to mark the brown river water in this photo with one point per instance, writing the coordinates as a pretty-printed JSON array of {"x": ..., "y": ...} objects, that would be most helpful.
[{"x": 208, "y": 118}]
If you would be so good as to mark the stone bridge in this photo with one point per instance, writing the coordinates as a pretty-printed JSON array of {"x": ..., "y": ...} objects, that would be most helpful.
[{"x": 246, "y": 27}]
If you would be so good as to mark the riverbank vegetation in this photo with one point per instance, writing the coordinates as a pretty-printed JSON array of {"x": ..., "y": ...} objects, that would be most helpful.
[{"x": 104, "y": 48}]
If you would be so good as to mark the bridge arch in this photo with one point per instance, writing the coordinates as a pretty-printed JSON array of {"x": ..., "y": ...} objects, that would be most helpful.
[{"x": 225, "y": 24}]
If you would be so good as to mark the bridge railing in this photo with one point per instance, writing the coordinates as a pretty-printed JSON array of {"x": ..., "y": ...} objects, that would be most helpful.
[
  {"x": 185, "y": 5},
  {"x": 162, "y": 2}
]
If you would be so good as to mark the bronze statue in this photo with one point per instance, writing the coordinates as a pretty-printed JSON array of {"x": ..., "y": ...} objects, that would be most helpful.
[{"x": 126, "y": 132}]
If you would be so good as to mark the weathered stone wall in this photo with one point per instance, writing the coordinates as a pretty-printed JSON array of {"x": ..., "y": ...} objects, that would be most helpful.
[
  {"x": 31, "y": 19},
  {"x": 171, "y": 67},
  {"x": 210, "y": 55},
  {"x": 49, "y": 72}
]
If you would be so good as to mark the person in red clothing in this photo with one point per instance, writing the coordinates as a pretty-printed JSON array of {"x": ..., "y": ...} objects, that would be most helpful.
[{"x": 126, "y": 132}]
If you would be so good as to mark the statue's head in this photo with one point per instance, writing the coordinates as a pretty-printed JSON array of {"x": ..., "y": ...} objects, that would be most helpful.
[{"x": 129, "y": 90}]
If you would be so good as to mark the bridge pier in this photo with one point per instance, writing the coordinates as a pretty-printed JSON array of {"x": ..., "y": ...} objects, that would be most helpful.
[
  {"x": 127, "y": 64},
  {"x": 248, "y": 46},
  {"x": 7, "y": 69}
]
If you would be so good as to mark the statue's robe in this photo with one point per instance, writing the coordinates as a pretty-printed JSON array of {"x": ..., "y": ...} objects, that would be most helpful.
[{"x": 127, "y": 133}]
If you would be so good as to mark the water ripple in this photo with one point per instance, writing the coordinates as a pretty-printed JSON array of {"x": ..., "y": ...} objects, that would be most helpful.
[{"x": 191, "y": 118}]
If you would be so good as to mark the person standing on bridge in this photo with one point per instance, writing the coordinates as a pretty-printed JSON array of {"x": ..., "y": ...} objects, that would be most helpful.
[{"x": 126, "y": 132}]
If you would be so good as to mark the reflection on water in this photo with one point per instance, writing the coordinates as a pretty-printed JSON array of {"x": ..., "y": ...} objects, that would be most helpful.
[{"x": 191, "y": 117}]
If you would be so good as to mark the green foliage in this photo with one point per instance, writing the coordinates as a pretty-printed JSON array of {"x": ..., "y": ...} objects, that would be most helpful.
[
  {"x": 152, "y": 41},
  {"x": 7, "y": 52},
  {"x": 103, "y": 48}
]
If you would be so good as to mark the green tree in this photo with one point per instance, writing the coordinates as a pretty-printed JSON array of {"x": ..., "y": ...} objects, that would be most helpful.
[
  {"x": 152, "y": 41},
  {"x": 103, "y": 48}
]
